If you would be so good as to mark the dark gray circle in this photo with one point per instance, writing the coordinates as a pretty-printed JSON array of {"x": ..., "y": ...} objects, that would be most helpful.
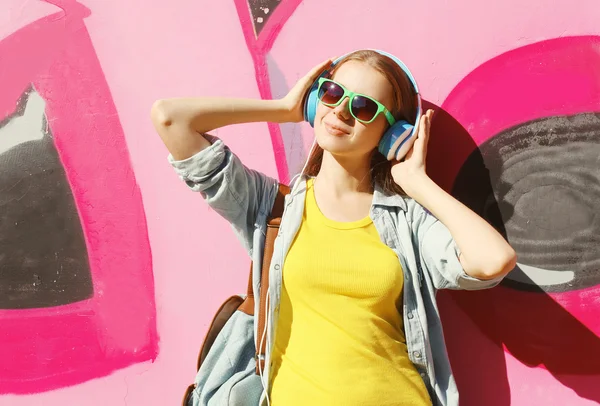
[{"x": 539, "y": 184}]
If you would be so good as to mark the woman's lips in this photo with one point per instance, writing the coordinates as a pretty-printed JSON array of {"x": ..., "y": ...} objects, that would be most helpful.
[{"x": 335, "y": 130}]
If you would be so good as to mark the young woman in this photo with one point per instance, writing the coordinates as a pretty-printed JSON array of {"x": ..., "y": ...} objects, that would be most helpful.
[{"x": 364, "y": 242}]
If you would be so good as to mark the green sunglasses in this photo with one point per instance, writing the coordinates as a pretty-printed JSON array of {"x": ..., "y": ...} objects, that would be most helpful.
[{"x": 363, "y": 108}]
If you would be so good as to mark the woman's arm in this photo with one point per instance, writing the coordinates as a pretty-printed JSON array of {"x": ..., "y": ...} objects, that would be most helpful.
[
  {"x": 484, "y": 253},
  {"x": 181, "y": 122},
  {"x": 240, "y": 195}
]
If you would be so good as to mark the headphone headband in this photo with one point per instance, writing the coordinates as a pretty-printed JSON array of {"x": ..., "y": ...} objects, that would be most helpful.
[{"x": 393, "y": 58}]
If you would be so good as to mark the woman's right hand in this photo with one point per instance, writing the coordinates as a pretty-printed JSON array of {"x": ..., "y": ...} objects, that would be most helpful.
[{"x": 293, "y": 102}]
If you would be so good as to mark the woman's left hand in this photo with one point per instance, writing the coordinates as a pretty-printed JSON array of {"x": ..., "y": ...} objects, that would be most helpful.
[
  {"x": 485, "y": 254},
  {"x": 408, "y": 173}
]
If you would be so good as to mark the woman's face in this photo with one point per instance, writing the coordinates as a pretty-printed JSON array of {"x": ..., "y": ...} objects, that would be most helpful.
[{"x": 336, "y": 130}]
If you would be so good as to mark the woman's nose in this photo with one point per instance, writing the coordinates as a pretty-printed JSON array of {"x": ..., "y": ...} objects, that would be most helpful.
[{"x": 342, "y": 110}]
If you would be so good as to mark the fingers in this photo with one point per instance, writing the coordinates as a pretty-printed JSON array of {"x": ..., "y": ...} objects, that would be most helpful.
[
  {"x": 317, "y": 70},
  {"x": 420, "y": 145},
  {"x": 425, "y": 125}
]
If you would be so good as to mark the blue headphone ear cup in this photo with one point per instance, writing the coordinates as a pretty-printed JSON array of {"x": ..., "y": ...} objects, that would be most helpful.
[
  {"x": 310, "y": 103},
  {"x": 395, "y": 139},
  {"x": 312, "y": 100},
  {"x": 405, "y": 146}
]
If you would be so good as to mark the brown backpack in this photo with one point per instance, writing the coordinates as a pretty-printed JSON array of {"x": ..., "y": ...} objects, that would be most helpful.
[{"x": 246, "y": 305}]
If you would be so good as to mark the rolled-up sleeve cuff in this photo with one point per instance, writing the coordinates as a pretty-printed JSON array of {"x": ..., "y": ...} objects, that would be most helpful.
[
  {"x": 442, "y": 254},
  {"x": 468, "y": 282},
  {"x": 196, "y": 170}
]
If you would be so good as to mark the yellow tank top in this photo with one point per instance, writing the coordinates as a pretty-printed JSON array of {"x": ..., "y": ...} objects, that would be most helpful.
[{"x": 340, "y": 337}]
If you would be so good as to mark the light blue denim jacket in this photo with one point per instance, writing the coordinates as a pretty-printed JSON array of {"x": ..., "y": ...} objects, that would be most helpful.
[{"x": 424, "y": 246}]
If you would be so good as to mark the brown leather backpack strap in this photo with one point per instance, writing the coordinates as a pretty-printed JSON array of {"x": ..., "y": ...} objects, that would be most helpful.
[
  {"x": 276, "y": 212},
  {"x": 247, "y": 305},
  {"x": 273, "y": 223},
  {"x": 279, "y": 204}
]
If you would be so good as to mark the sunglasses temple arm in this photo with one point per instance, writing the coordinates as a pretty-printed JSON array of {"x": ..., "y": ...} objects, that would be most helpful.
[{"x": 389, "y": 117}]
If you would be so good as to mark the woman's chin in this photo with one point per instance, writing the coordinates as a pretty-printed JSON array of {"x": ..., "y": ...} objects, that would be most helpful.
[
  {"x": 345, "y": 147},
  {"x": 335, "y": 145}
]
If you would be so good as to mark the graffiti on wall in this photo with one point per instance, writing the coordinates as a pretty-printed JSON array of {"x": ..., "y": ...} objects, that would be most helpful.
[
  {"x": 37, "y": 202},
  {"x": 76, "y": 285},
  {"x": 262, "y": 21},
  {"x": 532, "y": 116}
]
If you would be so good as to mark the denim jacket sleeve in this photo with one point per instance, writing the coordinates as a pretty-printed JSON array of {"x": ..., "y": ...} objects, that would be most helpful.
[
  {"x": 439, "y": 254},
  {"x": 242, "y": 196}
]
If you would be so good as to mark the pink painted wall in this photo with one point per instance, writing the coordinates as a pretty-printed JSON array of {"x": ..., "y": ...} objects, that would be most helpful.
[{"x": 157, "y": 271}]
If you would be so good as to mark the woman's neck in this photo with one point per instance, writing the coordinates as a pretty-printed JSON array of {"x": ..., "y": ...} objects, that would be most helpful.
[{"x": 344, "y": 175}]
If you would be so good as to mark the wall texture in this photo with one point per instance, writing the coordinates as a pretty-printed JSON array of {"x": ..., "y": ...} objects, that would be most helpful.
[{"x": 110, "y": 270}]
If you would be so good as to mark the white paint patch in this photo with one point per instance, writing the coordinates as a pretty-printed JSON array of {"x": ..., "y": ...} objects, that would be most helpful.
[
  {"x": 539, "y": 276},
  {"x": 26, "y": 127}
]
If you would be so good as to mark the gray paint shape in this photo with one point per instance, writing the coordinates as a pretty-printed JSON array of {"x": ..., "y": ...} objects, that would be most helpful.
[
  {"x": 539, "y": 182},
  {"x": 43, "y": 255},
  {"x": 261, "y": 10}
]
